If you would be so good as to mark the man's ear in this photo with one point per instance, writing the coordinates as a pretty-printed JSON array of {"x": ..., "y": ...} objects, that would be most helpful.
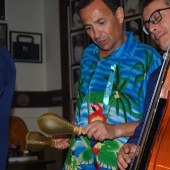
[{"x": 120, "y": 14}]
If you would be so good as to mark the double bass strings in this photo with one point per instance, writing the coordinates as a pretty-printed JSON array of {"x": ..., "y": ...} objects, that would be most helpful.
[{"x": 165, "y": 57}]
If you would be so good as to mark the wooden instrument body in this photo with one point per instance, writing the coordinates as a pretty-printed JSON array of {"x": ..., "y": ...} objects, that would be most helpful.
[
  {"x": 155, "y": 146},
  {"x": 159, "y": 158}
]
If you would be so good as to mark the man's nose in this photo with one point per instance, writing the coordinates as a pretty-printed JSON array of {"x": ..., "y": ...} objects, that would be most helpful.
[
  {"x": 152, "y": 27},
  {"x": 96, "y": 32}
]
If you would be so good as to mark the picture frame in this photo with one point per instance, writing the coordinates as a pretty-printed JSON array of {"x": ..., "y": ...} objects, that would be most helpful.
[
  {"x": 4, "y": 35},
  {"x": 131, "y": 7},
  {"x": 75, "y": 71},
  {"x": 75, "y": 21},
  {"x": 2, "y": 9},
  {"x": 134, "y": 25},
  {"x": 26, "y": 46},
  {"x": 78, "y": 44}
]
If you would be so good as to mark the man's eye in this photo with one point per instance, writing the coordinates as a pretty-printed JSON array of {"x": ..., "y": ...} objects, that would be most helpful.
[
  {"x": 87, "y": 28},
  {"x": 101, "y": 23},
  {"x": 156, "y": 17}
]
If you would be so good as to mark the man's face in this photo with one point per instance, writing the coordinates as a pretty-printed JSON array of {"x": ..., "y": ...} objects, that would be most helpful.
[
  {"x": 103, "y": 27},
  {"x": 161, "y": 31}
]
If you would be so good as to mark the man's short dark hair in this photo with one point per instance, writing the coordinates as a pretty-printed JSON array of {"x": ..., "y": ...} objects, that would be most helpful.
[{"x": 112, "y": 4}]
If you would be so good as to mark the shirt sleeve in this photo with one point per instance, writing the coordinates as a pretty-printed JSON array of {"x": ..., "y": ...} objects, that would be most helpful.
[{"x": 150, "y": 89}]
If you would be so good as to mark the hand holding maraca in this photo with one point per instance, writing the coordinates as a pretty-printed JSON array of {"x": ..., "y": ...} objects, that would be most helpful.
[
  {"x": 51, "y": 124},
  {"x": 62, "y": 141}
]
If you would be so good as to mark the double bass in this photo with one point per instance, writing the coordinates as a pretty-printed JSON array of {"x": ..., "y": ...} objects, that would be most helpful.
[{"x": 154, "y": 140}]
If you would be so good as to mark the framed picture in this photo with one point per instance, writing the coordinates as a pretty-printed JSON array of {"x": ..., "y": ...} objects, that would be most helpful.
[
  {"x": 26, "y": 46},
  {"x": 74, "y": 16},
  {"x": 3, "y": 35},
  {"x": 78, "y": 44},
  {"x": 132, "y": 7},
  {"x": 75, "y": 71},
  {"x": 2, "y": 9},
  {"x": 135, "y": 26}
]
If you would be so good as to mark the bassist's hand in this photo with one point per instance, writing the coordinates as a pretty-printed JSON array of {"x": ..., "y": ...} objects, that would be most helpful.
[{"x": 125, "y": 155}]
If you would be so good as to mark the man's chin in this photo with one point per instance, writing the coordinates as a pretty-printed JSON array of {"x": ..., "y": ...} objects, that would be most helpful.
[{"x": 164, "y": 46}]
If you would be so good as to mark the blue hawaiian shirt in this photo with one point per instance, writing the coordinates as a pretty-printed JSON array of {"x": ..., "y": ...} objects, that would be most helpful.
[{"x": 113, "y": 98}]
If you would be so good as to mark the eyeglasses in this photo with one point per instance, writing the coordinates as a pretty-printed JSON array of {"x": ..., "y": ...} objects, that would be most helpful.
[{"x": 154, "y": 18}]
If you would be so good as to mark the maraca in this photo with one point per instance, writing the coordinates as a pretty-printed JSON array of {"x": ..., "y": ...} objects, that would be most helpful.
[
  {"x": 52, "y": 124},
  {"x": 36, "y": 141}
]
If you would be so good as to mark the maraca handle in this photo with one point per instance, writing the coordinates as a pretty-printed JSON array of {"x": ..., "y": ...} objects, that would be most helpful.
[{"x": 77, "y": 130}]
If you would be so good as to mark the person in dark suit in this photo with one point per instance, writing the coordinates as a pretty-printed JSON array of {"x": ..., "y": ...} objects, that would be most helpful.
[{"x": 7, "y": 84}]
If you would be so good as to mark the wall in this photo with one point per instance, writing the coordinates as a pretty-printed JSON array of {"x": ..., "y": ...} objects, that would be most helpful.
[{"x": 38, "y": 16}]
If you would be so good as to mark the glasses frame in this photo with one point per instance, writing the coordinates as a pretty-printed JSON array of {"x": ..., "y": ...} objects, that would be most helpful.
[{"x": 145, "y": 29}]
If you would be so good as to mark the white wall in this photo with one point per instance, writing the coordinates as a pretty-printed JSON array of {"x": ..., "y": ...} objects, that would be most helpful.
[
  {"x": 52, "y": 44},
  {"x": 38, "y": 16}
]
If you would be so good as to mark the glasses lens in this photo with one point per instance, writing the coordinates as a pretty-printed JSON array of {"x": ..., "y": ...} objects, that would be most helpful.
[{"x": 155, "y": 17}]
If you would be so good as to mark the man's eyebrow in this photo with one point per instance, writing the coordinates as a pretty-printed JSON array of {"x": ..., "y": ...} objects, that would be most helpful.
[
  {"x": 86, "y": 25},
  {"x": 98, "y": 20}
]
